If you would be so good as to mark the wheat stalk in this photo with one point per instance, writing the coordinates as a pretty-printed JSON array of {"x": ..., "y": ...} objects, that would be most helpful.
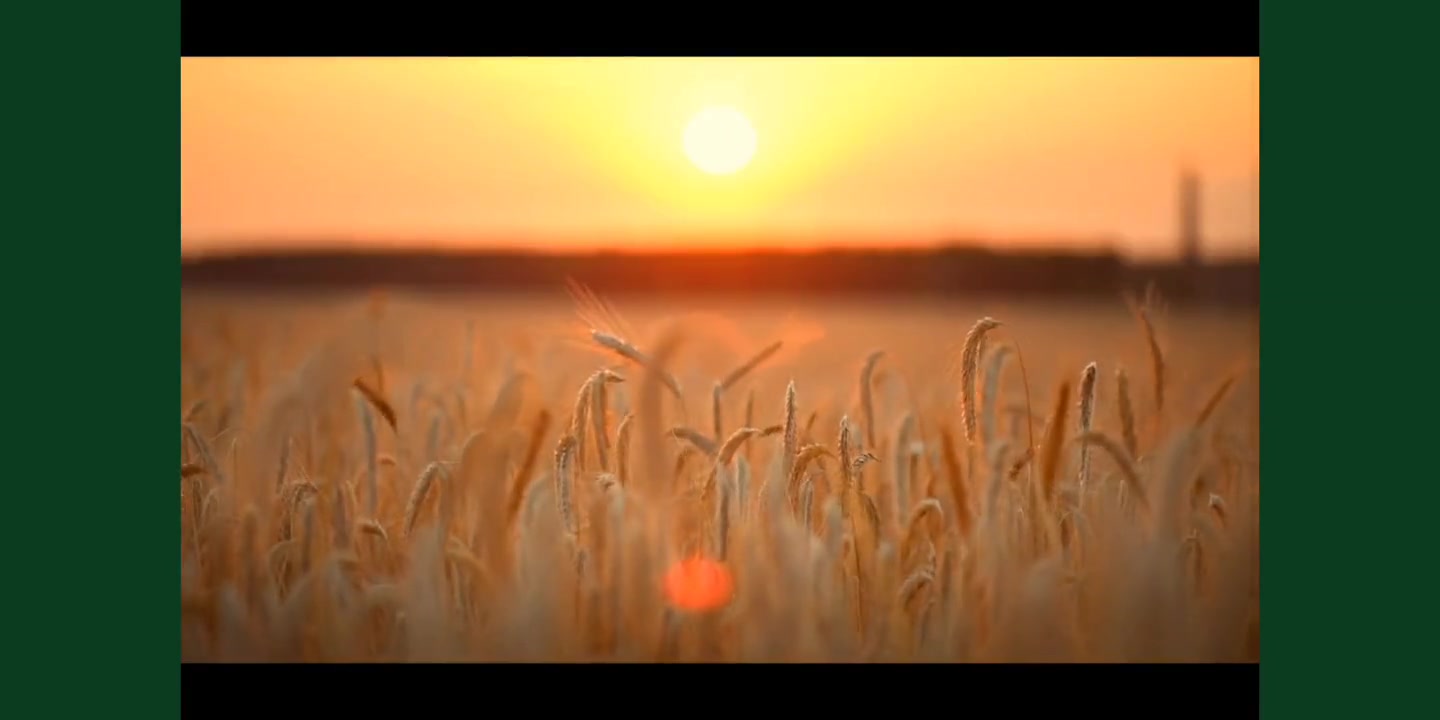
[
  {"x": 374, "y": 528},
  {"x": 377, "y": 401},
  {"x": 717, "y": 423},
  {"x": 521, "y": 479},
  {"x": 1121, "y": 457},
  {"x": 579, "y": 415},
  {"x": 724, "y": 455},
  {"x": 732, "y": 444},
  {"x": 860, "y": 462},
  {"x": 194, "y": 411},
  {"x": 203, "y": 448},
  {"x": 622, "y": 449},
  {"x": 867, "y": 402},
  {"x": 789, "y": 444},
  {"x": 1217, "y": 504},
  {"x": 1213, "y": 403},
  {"x": 683, "y": 457},
  {"x": 432, "y": 436},
  {"x": 969, "y": 360},
  {"x": 990, "y": 399},
  {"x": 1087, "y": 414},
  {"x": 694, "y": 437},
  {"x": 740, "y": 372},
  {"x": 955, "y": 480},
  {"x": 903, "y": 475},
  {"x": 807, "y": 503},
  {"x": 1053, "y": 441},
  {"x": 420, "y": 492},
  {"x": 284, "y": 465},
  {"x": 803, "y": 458},
  {"x": 340, "y": 518},
  {"x": 927, "y": 509},
  {"x": 564, "y": 483},
  {"x": 630, "y": 352},
  {"x": 917, "y": 581},
  {"x": 721, "y": 478},
  {"x": 372, "y": 479},
  {"x": 1127, "y": 412},
  {"x": 842, "y": 445},
  {"x": 1157, "y": 357},
  {"x": 997, "y": 477},
  {"x": 599, "y": 406}
]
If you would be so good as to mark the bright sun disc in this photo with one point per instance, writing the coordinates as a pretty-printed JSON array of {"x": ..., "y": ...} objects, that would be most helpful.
[{"x": 720, "y": 140}]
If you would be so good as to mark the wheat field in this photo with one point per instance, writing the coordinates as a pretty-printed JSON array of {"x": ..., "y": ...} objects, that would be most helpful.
[{"x": 403, "y": 478}]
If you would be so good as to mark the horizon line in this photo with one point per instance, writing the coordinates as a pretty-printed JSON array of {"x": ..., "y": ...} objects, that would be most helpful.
[{"x": 693, "y": 244}]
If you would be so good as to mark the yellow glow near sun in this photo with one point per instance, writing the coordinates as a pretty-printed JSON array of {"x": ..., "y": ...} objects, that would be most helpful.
[{"x": 720, "y": 140}]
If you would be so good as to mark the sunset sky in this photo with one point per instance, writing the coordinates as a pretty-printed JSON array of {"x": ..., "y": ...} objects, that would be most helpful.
[{"x": 568, "y": 153}]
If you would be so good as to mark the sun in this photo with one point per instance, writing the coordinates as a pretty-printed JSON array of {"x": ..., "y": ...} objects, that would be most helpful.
[{"x": 720, "y": 140}]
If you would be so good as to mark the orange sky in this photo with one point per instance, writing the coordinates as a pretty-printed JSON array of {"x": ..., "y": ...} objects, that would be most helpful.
[{"x": 569, "y": 152}]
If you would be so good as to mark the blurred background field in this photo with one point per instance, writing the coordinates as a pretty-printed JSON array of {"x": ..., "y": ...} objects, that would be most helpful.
[{"x": 425, "y": 336}]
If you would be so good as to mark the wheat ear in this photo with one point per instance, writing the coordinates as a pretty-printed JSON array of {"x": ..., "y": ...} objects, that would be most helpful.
[
  {"x": 1087, "y": 413},
  {"x": 376, "y": 400},
  {"x": 1127, "y": 412},
  {"x": 969, "y": 360},
  {"x": 565, "y": 483},
  {"x": 803, "y": 458},
  {"x": 694, "y": 437},
  {"x": 630, "y": 352},
  {"x": 421, "y": 492},
  {"x": 1053, "y": 441},
  {"x": 1157, "y": 357},
  {"x": 789, "y": 448}
]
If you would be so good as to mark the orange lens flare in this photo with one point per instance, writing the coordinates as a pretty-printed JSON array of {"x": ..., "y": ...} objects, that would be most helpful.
[{"x": 698, "y": 584}]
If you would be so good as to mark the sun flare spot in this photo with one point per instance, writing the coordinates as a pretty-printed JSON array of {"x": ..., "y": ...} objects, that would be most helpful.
[{"x": 720, "y": 140}]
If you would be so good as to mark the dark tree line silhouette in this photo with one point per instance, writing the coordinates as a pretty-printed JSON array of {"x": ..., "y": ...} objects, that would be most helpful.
[{"x": 950, "y": 271}]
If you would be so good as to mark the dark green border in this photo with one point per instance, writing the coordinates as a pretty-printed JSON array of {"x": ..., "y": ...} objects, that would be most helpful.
[
  {"x": 92, "y": 158},
  {"x": 95, "y": 148},
  {"x": 1348, "y": 222}
]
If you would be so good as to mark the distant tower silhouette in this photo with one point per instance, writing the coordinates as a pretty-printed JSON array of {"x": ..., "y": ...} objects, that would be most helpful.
[{"x": 1190, "y": 218}]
